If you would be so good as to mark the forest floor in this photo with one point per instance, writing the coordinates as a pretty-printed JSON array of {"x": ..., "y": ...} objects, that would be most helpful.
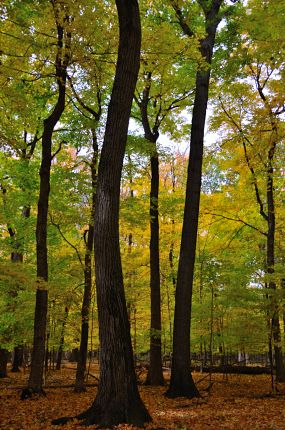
[{"x": 234, "y": 402}]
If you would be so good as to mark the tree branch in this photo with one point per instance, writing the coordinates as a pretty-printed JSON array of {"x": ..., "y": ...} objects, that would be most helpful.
[
  {"x": 237, "y": 220},
  {"x": 183, "y": 24},
  {"x": 66, "y": 240}
]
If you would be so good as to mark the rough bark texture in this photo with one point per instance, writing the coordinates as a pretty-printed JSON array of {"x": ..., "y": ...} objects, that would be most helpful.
[
  {"x": 62, "y": 60},
  {"x": 181, "y": 383},
  {"x": 117, "y": 399}
]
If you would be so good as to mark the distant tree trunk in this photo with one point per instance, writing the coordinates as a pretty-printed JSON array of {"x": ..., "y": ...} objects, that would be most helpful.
[
  {"x": 16, "y": 257},
  {"x": 276, "y": 332},
  {"x": 16, "y": 254},
  {"x": 80, "y": 385},
  {"x": 117, "y": 400},
  {"x": 269, "y": 217},
  {"x": 155, "y": 374},
  {"x": 181, "y": 382},
  {"x": 3, "y": 362},
  {"x": 18, "y": 358},
  {"x": 283, "y": 312},
  {"x": 62, "y": 61},
  {"x": 61, "y": 344},
  {"x": 74, "y": 355}
]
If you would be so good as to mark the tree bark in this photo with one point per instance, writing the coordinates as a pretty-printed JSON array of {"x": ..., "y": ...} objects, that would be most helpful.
[
  {"x": 270, "y": 260},
  {"x": 80, "y": 385},
  {"x": 18, "y": 358},
  {"x": 35, "y": 383},
  {"x": 181, "y": 382},
  {"x": 271, "y": 228},
  {"x": 155, "y": 374},
  {"x": 117, "y": 399},
  {"x": 3, "y": 362},
  {"x": 60, "y": 349}
]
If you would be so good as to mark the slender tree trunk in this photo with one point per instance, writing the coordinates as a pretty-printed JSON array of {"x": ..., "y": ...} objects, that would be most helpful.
[
  {"x": 181, "y": 383},
  {"x": 61, "y": 344},
  {"x": 18, "y": 358},
  {"x": 117, "y": 400},
  {"x": 16, "y": 254},
  {"x": 155, "y": 374},
  {"x": 80, "y": 385},
  {"x": 3, "y": 362},
  {"x": 271, "y": 227},
  {"x": 35, "y": 383},
  {"x": 283, "y": 312},
  {"x": 276, "y": 332}
]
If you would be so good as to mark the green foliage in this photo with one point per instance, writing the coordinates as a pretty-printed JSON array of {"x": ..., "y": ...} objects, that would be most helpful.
[{"x": 230, "y": 301}]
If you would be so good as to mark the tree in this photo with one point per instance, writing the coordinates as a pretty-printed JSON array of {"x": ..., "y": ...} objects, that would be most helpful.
[
  {"x": 259, "y": 139},
  {"x": 160, "y": 96},
  {"x": 117, "y": 400},
  {"x": 181, "y": 382},
  {"x": 62, "y": 19}
]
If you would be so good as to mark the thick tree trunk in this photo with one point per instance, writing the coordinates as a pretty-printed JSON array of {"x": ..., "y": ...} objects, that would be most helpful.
[
  {"x": 3, "y": 362},
  {"x": 181, "y": 382},
  {"x": 117, "y": 399},
  {"x": 35, "y": 383}
]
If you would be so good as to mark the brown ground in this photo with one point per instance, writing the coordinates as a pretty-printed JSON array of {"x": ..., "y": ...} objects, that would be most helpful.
[{"x": 234, "y": 403}]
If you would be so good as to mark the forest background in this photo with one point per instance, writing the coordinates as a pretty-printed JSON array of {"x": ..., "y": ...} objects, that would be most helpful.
[{"x": 61, "y": 57}]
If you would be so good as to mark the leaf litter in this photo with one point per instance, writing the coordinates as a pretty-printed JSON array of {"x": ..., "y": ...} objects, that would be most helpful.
[{"x": 235, "y": 402}]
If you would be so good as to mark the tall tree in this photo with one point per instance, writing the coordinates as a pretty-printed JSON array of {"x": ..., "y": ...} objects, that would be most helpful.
[
  {"x": 62, "y": 60},
  {"x": 85, "y": 311},
  {"x": 161, "y": 95},
  {"x": 181, "y": 382},
  {"x": 260, "y": 141},
  {"x": 117, "y": 400}
]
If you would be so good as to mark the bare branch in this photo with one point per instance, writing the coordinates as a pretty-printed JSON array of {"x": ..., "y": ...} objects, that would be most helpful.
[
  {"x": 95, "y": 114},
  {"x": 66, "y": 240},
  {"x": 237, "y": 220},
  {"x": 58, "y": 149}
]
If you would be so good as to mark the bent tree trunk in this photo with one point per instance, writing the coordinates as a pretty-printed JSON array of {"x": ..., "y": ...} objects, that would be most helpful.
[
  {"x": 181, "y": 382},
  {"x": 35, "y": 383},
  {"x": 117, "y": 399}
]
